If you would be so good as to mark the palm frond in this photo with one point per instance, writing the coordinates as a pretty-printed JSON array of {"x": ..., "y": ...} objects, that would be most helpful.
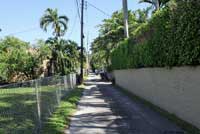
[
  {"x": 58, "y": 23},
  {"x": 63, "y": 24},
  {"x": 147, "y": 1},
  {"x": 64, "y": 18}
]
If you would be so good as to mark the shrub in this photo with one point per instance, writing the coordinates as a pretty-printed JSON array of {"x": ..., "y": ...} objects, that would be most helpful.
[{"x": 170, "y": 38}]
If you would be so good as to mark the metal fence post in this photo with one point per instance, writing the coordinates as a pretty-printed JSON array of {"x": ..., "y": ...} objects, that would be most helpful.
[
  {"x": 39, "y": 98},
  {"x": 60, "y": 89},
  {"x": 65, "y": 82},
  {"x": 74, "y": 77},
  {"x": 38, "y": 105},
  {"x": 71, "y": 84}
]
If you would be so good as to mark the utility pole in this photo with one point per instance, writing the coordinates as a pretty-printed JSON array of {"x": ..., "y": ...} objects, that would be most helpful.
[
  {"x": 82, "y": 38},
  {"x": 87, "y": 51},
  {"x": 125, "y": 10}
]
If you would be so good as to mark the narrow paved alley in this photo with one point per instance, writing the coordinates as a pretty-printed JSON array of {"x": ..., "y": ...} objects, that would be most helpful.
[{"x": 105, "y": 110}]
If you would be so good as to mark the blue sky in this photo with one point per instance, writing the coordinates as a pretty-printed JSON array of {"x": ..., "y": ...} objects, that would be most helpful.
[{"x": 21, "y": 17}]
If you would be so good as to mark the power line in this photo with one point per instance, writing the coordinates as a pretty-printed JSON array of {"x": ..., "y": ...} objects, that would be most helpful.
[
  {"x": 23, "y": 31},
  {"x": 73, "y": 26},
  {"x": 77, "y": 7},
  {"x": 100, "y": 10},
  {"x": 77, "y": 15}
]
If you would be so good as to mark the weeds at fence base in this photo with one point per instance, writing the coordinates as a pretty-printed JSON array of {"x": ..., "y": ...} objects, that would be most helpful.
[{"x": 60, "y": 119}]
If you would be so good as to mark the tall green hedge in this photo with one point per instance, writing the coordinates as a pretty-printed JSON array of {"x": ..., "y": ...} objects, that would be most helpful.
[{"x": 170, "y": 38}]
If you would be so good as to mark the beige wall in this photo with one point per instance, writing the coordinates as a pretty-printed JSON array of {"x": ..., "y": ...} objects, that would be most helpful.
[{"x": 176, "y": 90}]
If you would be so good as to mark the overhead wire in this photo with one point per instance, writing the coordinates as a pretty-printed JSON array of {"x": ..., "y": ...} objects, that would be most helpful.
[
  {"x": 100, "y": 10},
  {"x": 23, "y": 31},
  {"x": 77, "y": 4},
  {"x": 73, "y": 26},
  {"x": 77, "y": 7}
]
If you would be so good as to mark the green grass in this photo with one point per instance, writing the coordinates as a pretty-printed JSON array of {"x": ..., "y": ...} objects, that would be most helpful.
[
  {"x": 189, "y": 128},
  {"x": 61, "y": 117},
  {"x": 18, "y": 108}
]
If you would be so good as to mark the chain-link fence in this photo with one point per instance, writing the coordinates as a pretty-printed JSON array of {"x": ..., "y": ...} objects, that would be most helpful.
[{"x": 25, "y": 107}]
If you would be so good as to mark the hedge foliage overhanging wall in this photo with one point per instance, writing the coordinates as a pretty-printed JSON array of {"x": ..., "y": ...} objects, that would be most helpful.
[{"x": 170, "y": 38}]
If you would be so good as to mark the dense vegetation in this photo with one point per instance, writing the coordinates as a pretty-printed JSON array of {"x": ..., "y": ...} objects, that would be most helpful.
[
  {"x": 64, "y": 54},
  {"x": 170, "y": 37},
  {"x": 17, "y": 58},
  {"x": 20, "y": 60},
  {"x": 111, "y": 33}
]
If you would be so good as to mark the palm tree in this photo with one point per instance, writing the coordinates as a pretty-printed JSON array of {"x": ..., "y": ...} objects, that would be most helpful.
[
  {"x": 142, "y": 14},
  {"x": 72, "y": 54},
  {"x": 52, "y": 68},
  {"x": 156, "y": 4},
  {"x": 65, "y": 56},
  {"x": 58, "y": 23}
]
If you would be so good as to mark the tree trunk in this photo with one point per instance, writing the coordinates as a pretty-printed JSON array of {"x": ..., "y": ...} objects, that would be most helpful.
[{"x": 157, "y": 5}]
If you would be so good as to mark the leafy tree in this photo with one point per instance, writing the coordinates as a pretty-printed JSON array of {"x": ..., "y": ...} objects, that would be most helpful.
[
  {"x": 155, "y": 4},
  {"x": 71, "y": 54},
  {"x": 17, "y": 59},
  {"x": 64, "y": 55},
  {"x": 142, "y": 15},
  {"x": 111, "y": 32},
  {"x": 171, "y": 38},
  {"x": 44, "y": 50}
]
